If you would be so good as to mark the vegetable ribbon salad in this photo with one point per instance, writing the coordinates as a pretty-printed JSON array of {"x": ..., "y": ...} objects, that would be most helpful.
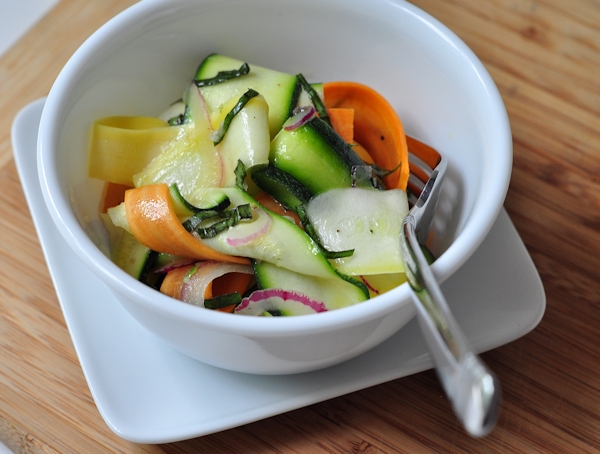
[{"x": 257, "y": 192}]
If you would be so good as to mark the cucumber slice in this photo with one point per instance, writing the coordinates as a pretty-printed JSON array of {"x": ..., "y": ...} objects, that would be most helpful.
[
  {"x": 334, "y": 293},
  {"x": 305, "y": 100},
  {"x": 268, "y": 237},
  {"x": 315, "y": 99},
  {"x": 335, "y": 141},
  {"x": 381, "y": 283},
  {"x": 310, "y": 230},
  {"x": 315, "y": 155},
  {"x": 223, "y": 76},
  {"x": 219, "y": 134},
  {"x": 281, "y": 186},
  {"x": 247, "y": 139},
  {"x": 208, "y": 196},
  {"x": 180, "y": 205},
  {"x": 174, "y": 114},
  {"x": 207, "y": 199},
  {"x": 127, "y": 252},
  {"x": 272, "y": 238},
  {"x": 165, "y": 262},
  {"x": 223, "y": 221},
  {"x": 366, "y": 220},
  {"x": 133, "y": 257},
  {"x": 279, "y": 89},
  {"x": 118, "y": 218},
  {"x": 191, "y": 161}
]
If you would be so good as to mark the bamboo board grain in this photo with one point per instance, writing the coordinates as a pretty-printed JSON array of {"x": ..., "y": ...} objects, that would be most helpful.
[{"x": 545, "y": 58}]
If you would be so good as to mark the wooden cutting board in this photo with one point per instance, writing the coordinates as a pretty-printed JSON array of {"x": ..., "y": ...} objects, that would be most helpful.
[{"x": 545, "y": 58}]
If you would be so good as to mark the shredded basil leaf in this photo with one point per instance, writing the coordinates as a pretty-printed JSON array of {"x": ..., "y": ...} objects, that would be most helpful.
[
  {"x": 223, "y": 76},
  {"x": 221, "y": 301},
  {"x": 228, "y": 219},
  {"x": 295, "y": 97},
  {"x": 315, "y": 99},
  {"x": 190, "y": 273},
  {"x": 191, "y": 223},
  {"x": 220, "y": 133},
  {"x": 240, "y": 175},
  {"x": 178, "y": 120}
]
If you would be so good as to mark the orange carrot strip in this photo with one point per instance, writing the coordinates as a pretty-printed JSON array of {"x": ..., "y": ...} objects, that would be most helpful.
[
  {"x": 173, "y": 281},
  {"x": 342, "y": 121},
  {"x": 226, "y": 284},
  {"x": 208, "y": 291},
  {"x": 362, "y": 153},
  {"x": 154, "y": 223},
  {"x": 222, "y": 285},
  {"x": 377, "y": 127},
  {"x": 112, "y": 195},
  {"x": 230, "y": 283}
]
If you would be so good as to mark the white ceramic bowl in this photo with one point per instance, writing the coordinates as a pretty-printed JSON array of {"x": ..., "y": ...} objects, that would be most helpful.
[{"x": 141, "y": 60}]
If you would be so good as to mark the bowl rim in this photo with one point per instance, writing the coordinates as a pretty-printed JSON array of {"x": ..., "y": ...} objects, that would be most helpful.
[{"x": 468, "y": 240}]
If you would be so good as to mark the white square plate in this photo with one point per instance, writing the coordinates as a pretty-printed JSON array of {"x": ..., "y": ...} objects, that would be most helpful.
[{"x": 149, "y": 393}]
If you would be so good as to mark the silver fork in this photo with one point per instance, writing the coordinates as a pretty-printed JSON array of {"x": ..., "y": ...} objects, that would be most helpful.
[{"x": 471, "y": 387}]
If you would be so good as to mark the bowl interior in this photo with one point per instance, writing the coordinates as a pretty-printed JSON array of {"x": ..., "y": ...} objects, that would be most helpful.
[{"x": 140, "y": 62}]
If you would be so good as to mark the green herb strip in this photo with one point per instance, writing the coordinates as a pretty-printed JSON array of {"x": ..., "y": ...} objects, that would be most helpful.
[
  {"x": 206, "y": 213},
  {"x": 190, "y": 273},
  {"x": 220, "y": 133},
  {"x": 223, "y": 76},
  {"x": 315, "y": 99},
  {"x": 228, "y": 219},
  {"x": 295, "y": 98},
  {"x": 280, "y": 185},
  {"x": 196, "y": 219},
  {"x": 240, "y": 175},
  {"x": 178, "y": 120},
  {"x": 221, "y": 301}
]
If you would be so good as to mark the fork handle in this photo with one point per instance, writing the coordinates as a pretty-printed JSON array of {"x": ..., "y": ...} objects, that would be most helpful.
[{"x": 473, "y": 390}]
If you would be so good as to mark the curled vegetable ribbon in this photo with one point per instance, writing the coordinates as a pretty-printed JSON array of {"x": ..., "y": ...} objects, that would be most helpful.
[
  {"x": 377, "y": 127},
  {"x": 198, "y": 283},
  {"x": 154, "y": 223},
  {"x": 122, "y": 146}
]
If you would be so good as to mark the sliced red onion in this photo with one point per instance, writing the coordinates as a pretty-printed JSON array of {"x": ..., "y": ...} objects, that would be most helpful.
[
  {"x": 282, "y": 302},
  {"x": 300, "y": 116},
  {"x": 253, "y": 230},
  {"x": 195, "y": 285}
]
